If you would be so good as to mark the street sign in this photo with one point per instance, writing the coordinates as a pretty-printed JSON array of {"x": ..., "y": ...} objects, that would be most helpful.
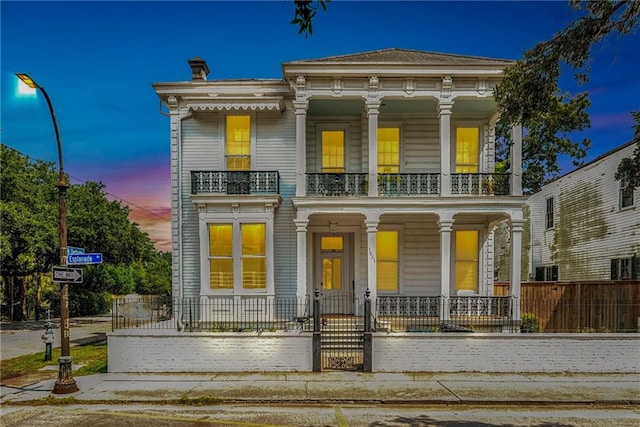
[
  {"x": 73, "y": 250},
  {"x": 78, "y": 259},
  {"x": 67, "y": 275}
]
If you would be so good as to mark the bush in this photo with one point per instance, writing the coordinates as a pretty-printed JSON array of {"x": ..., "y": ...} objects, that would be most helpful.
[{"x": 529, "y": 323}]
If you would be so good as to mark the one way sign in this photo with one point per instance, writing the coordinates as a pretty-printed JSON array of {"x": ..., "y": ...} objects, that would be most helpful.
[{"x": 67, "y": 275}]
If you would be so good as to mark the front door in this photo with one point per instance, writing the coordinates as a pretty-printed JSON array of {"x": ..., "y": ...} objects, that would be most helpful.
[{"x": 333, "y": 271}]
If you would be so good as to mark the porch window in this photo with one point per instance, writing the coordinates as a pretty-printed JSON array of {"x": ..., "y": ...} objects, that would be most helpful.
[
  {"x": 467, "y": 147},
  {"x": 467, "y": 263},
  {"x": 220, "y": 256},
  {"x": 238, "y": 143},
  {"x": 254, "y": 258},
  {"x": 333, "y": 151},
  {"x": 388, "y": 150},
  {"x": 332, "y": 247},
  {"x": 387, "y": 264}
]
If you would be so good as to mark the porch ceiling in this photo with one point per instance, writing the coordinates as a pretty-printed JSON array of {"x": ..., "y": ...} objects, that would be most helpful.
[{"x": 356, "y": 107}]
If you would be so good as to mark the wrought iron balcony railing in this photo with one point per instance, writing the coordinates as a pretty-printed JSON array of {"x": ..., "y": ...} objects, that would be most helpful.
[
  {"x": 336, "y": 184},
  {"x": 408, "y": 184},
  {"x": 235, "y": 182},
  {"x": 489, "y": 184}
]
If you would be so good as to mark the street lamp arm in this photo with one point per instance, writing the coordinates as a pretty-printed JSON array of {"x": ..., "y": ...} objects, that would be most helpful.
[{"x": 55, "y": 127}]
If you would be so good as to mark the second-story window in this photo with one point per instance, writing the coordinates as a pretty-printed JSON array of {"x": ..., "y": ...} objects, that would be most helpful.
[
  {"x": 626, "y": 192},
  {"x": 238, "y": 143},
  {"x": 388, "y": 150},
  {"x": 548, "y": 218},
  {"x": 467, "y": 148},
  {"x": 333, "y": 151}
]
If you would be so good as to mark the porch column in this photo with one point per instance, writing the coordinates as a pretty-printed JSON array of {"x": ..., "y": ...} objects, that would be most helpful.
[
  {"x": 446, "y": 226},
  {"x": 373, "y": 108},
  {"x": 516, "y": 161},
  {"x": 372, "y": 229},
  {"x": 444, "y": 113},
  {"x": 301, "y": 233},
  {"x": 516, "y": 224},
  {"x": 301, "y": 146}
]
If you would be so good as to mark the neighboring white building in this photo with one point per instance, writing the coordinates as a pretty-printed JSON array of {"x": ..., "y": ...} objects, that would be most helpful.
[
  {"x": 585, "y": 225},
  {"x": 372, "y": 171}
]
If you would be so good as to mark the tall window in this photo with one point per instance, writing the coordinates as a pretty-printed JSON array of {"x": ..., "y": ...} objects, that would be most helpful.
[
  {"x": 237, "y": 256},
  {"x": 467, "y": 147},
  {"x": 548, "y": 218},
  {"x": 626, "y": 192},
  {"x": 467, "y": 263},
  {"x": 221, "y": 256},
  {"x": 332, "y": 248},
  {"x": 388, "y": 150},
  {"x": 624, "y": 268},
  {"x": 333, "y": 151},
  {"x": 387, "y": 264},
  {"x": 238, "y": 143},
  {"x": 254, "y": 257}
]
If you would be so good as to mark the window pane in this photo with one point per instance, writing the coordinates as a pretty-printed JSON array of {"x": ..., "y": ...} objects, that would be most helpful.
[
  {"x": 333, "y": 151},
  {"x": 254, "y": 273},
  {"x": 331, "y": 273},
  {"x": 221, "y": 273},
  {"x": 253, "y": 239},
  {"x": 387, "y": 265},
  {"x": 467, "y": 146},
  {"x": 328, "y": 243},
  {"x": 388, "y": 150},
  {"x": 466, "y": 264},
  {"x": 238, "y": 142},
  {"x": 220, "y": 240}
]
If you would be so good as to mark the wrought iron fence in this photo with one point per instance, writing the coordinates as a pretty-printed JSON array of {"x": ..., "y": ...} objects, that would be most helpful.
[
  {"x": 235, "y": 182},
  {"x": 487, "y": 184},
  {"x": 408, "y": 184},
  {"x": 336, "y": 184},
  {"x": 219, "y": 314}
]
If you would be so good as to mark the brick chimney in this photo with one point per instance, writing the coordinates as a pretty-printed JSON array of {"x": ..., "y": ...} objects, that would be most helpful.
[{"x": 199, "y": 69}]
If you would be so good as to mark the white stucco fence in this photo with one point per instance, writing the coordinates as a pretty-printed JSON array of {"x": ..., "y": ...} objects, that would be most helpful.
[{"x": 170, "y": 351}]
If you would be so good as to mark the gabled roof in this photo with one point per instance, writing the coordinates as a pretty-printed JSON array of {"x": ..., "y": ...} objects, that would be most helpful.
[{"x": 406, "y": 56}]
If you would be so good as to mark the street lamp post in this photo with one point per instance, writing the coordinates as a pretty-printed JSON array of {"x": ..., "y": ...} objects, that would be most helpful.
[{"x": 65, "y": 382}]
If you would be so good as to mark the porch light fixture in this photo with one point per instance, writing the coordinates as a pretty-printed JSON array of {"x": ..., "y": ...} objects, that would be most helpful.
[{"x": 65, "y": 382}]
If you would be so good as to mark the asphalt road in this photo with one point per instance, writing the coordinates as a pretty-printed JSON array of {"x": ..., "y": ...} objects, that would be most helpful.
[
  {"x": 19, "y": 338},
  {"x": 319, "y": 415}
]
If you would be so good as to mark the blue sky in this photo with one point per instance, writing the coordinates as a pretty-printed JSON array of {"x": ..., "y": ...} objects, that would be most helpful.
[{"x": 97, "y": 61}]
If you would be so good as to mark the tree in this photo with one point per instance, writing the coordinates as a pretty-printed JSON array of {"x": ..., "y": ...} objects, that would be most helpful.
[
  {"x": 530, "y": 94},
  {"x": 629, "y": 168},
  {"x": 304, "y": 12}
]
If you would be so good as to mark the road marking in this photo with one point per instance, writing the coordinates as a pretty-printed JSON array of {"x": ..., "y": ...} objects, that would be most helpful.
[{"x": 342, "y": 421}]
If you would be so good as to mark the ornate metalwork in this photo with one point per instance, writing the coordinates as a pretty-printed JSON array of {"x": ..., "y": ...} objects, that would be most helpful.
[
  {"x": 487, "y": 184},
  {"x": 336, "y": 184},
  {"x": 480, "y": 306},
  {"x": 407, "y": 306},
  {"x": 408, "y": 184},
  {"x": 235, "y": 182}
]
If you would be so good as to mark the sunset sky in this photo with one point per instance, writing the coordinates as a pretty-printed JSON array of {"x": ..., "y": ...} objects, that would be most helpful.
[{"x": 97, "y": 61}]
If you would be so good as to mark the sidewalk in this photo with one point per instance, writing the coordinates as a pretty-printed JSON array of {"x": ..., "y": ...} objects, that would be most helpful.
[{"x": 343, "y": 387}]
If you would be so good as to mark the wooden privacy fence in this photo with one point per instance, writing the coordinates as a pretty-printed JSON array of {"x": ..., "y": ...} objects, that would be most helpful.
[{"x": 611, "y": 306}]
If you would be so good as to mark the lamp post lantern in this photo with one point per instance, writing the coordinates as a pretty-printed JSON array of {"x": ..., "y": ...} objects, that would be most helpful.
[{"x": 65, "y": 382}]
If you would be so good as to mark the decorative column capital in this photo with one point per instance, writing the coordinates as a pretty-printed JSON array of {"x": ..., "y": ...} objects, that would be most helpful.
[
  {"x": 444, "y": 108},
  {"x": 301, "y": 225},
  {"x": 517, "y": 225},
  {"x": 373, "y": 107},
  {"x": 372, "y": 225},
  {"x": 301, "y": 106},
  {"x": 446, "y": 225}
]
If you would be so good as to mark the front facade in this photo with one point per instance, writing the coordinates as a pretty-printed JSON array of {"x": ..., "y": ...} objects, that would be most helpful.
[{"x": 367, "y": 172}]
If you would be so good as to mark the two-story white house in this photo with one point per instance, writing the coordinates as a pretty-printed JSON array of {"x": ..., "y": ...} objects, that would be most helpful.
[{"x": 372, "y": 171}]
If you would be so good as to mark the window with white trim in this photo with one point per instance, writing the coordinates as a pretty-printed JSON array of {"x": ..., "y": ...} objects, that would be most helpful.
[
  {"x": 549, "y": 213},
  {"x": 626, "y": 192}
]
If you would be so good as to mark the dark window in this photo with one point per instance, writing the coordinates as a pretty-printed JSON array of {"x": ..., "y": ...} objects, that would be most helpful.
[
  {"x": 626, "y": 192},
  {"x": 549, "y": 214},
  {"x": 547, "y": 273},
  {"x": 624, "y": 268}
]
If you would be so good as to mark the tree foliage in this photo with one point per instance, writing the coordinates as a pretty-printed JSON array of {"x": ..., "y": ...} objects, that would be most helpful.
[
  {"x": 530, "y": 94},
  {"x": 304, "y": 12},
  {"x": 29, "y": 242},
  {"x": 629, "y": 168}
]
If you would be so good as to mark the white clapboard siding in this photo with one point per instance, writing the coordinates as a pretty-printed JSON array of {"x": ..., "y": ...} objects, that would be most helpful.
[{"x": 590, "y": 228}]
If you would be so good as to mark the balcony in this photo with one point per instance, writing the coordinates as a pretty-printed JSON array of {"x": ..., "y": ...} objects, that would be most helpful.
[
  {"x": 408, "y": 184},
  {"x": 235, "y": 182},
  {"x": 486, "y": 184},
  {"x": 336, "y": 184}
]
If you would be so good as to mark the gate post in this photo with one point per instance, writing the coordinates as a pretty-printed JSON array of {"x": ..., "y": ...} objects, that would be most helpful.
[
  {"x": 317, "y": 361},
  {"x": 368, "y": 336}
]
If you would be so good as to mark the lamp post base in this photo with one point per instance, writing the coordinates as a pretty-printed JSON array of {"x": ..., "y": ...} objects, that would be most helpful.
[{"x": 65, "y": 383}]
